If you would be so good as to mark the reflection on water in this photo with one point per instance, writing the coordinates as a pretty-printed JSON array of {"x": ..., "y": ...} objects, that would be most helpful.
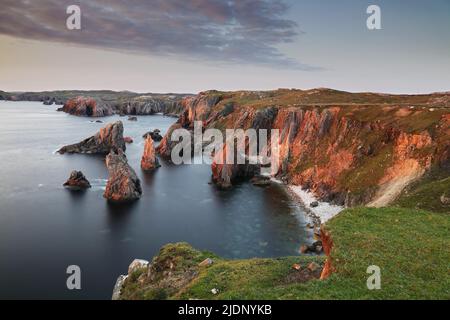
[{"x": 45, "y": 228}]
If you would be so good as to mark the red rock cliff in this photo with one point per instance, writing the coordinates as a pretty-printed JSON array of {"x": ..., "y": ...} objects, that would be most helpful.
[{"x": 348, "y": 148}]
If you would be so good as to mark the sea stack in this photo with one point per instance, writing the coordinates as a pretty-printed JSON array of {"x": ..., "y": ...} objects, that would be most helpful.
[
  {"x": 77, "y": 181},
  {"x": 149, "y": 161},
  {"x": 107, "y": 139},
  {"x": 123, "y": 184}
]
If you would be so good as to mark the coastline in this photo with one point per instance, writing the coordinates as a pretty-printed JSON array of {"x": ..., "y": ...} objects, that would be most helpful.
[{"x": 320, "y": 214}]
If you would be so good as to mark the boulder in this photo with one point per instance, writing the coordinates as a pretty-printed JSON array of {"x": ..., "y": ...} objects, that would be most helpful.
[
  {"x": 155, "y": 135},
  {"x": 313, "y": 267},
  {"x": 123, "y": 184},
  {"x": 137, "y": 264},
  {"x": 77, "y": 181},
  {"x": 149, "y": 161},
  {"x": 445, "y": 200},
  {"x": 314, "y": 204},
  {"x": 107, "y": 139},
  {"x": 316, "y": 247}
]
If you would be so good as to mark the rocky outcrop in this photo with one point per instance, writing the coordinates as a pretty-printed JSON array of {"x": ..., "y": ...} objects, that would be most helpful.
[
  {"x": 225, "y": 175},
  {"x": 155, "y": 135},
  {"x": 327, "y": 243},
  {"x": 349, "y": 149},
  {"x": 87, "y": 107},
  {"x": 149, "y": 161},
  {"x": 77, "y": 181},
  {"x": 109, "y": 138},
  {"x": 123, "y": 184}
]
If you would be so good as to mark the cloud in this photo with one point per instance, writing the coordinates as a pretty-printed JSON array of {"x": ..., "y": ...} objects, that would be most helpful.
[{"x": 219, "y": 31}]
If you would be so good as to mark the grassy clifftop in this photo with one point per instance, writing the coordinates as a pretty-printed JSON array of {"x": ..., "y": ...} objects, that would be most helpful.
[{"x": 410, "y": 247}]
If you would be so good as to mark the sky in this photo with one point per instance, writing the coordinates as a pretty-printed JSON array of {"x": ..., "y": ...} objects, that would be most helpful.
[{"x": 188, "y": 46}]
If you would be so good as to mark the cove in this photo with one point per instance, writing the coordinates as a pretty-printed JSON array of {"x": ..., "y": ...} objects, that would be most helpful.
[{"x": 45, "y": 228}]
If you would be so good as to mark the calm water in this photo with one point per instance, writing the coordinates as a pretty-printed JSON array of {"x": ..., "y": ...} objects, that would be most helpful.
[{"x": 45, "y": 228}]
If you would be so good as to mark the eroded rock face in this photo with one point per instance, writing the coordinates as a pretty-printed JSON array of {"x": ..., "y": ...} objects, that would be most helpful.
[
  {"x": 77, "y": 181},
  {"x": 149, "y": 161},
  {"x": 107, "y": 139},
  {"x": 123, "y": 184},
  {"x": 348, "y": 155},
  {"x": 225, "y": 175},
  {"x": 155, "y": 135},
  {"x": 87, "y": 107}
]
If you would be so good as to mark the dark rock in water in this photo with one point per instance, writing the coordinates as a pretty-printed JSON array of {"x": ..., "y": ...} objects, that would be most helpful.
[
  {"x": 224, "y": 175},
  {"x": 87, "y": 107},
  {"x": 48, "y": 102},
  {"x": 155, "y": 135},
  {"x": 132, "y": 119},
  {"x": 314, "y": 204},
  {"x": 261, "y": 181},
  {"x": 149, "y": 161},
  {"x": 128, "y": 140},
  {"x": 107, "y": 139},
  {"x": 77, "y": 181},
  {"x": 98, "y": 121},
  {"x": 123, "y": 184}
]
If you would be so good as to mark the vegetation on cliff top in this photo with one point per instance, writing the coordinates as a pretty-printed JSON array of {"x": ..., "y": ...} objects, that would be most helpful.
[{"x": 410, "y": 247}]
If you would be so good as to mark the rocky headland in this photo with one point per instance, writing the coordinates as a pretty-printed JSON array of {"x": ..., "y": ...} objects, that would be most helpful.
[
  {"x": 347, "y": 148},
  {"x": 103, "y": 103}
]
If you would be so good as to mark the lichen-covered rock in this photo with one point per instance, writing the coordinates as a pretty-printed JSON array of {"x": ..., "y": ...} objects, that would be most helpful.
[
  {"x": 107, "y": 139},
  {"x": 149, "y": 161},
  {"x": 123, "y": 184},
  {"x": 87, "y": 107},
  {"x": 77, "y": 181}
]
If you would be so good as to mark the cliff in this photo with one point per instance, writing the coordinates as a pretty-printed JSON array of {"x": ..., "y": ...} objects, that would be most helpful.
[
  {"x": 103, "y": 102},
  {"x": 361, "y": 237},
  {"x": 348, "y": 148},
  {"x": 87, "y": 107}
]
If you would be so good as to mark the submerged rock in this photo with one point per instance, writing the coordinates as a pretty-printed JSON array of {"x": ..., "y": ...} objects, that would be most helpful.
[
  {"x": 107, "y": 139},
  {"x": 132, "y": 119},
  {"x": 149, "y": 161},
  {"x": 123, "y": 184},
  {"x": 77, "y": 181}
]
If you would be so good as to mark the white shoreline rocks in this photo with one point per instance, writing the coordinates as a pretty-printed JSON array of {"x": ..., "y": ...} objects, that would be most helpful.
[{"x": 323, "y": 211}]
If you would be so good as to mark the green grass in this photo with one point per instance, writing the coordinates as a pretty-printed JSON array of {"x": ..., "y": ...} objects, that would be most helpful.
[
  {"x": 426, "y": 193},
  {"x": 410, "y": 247}
]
